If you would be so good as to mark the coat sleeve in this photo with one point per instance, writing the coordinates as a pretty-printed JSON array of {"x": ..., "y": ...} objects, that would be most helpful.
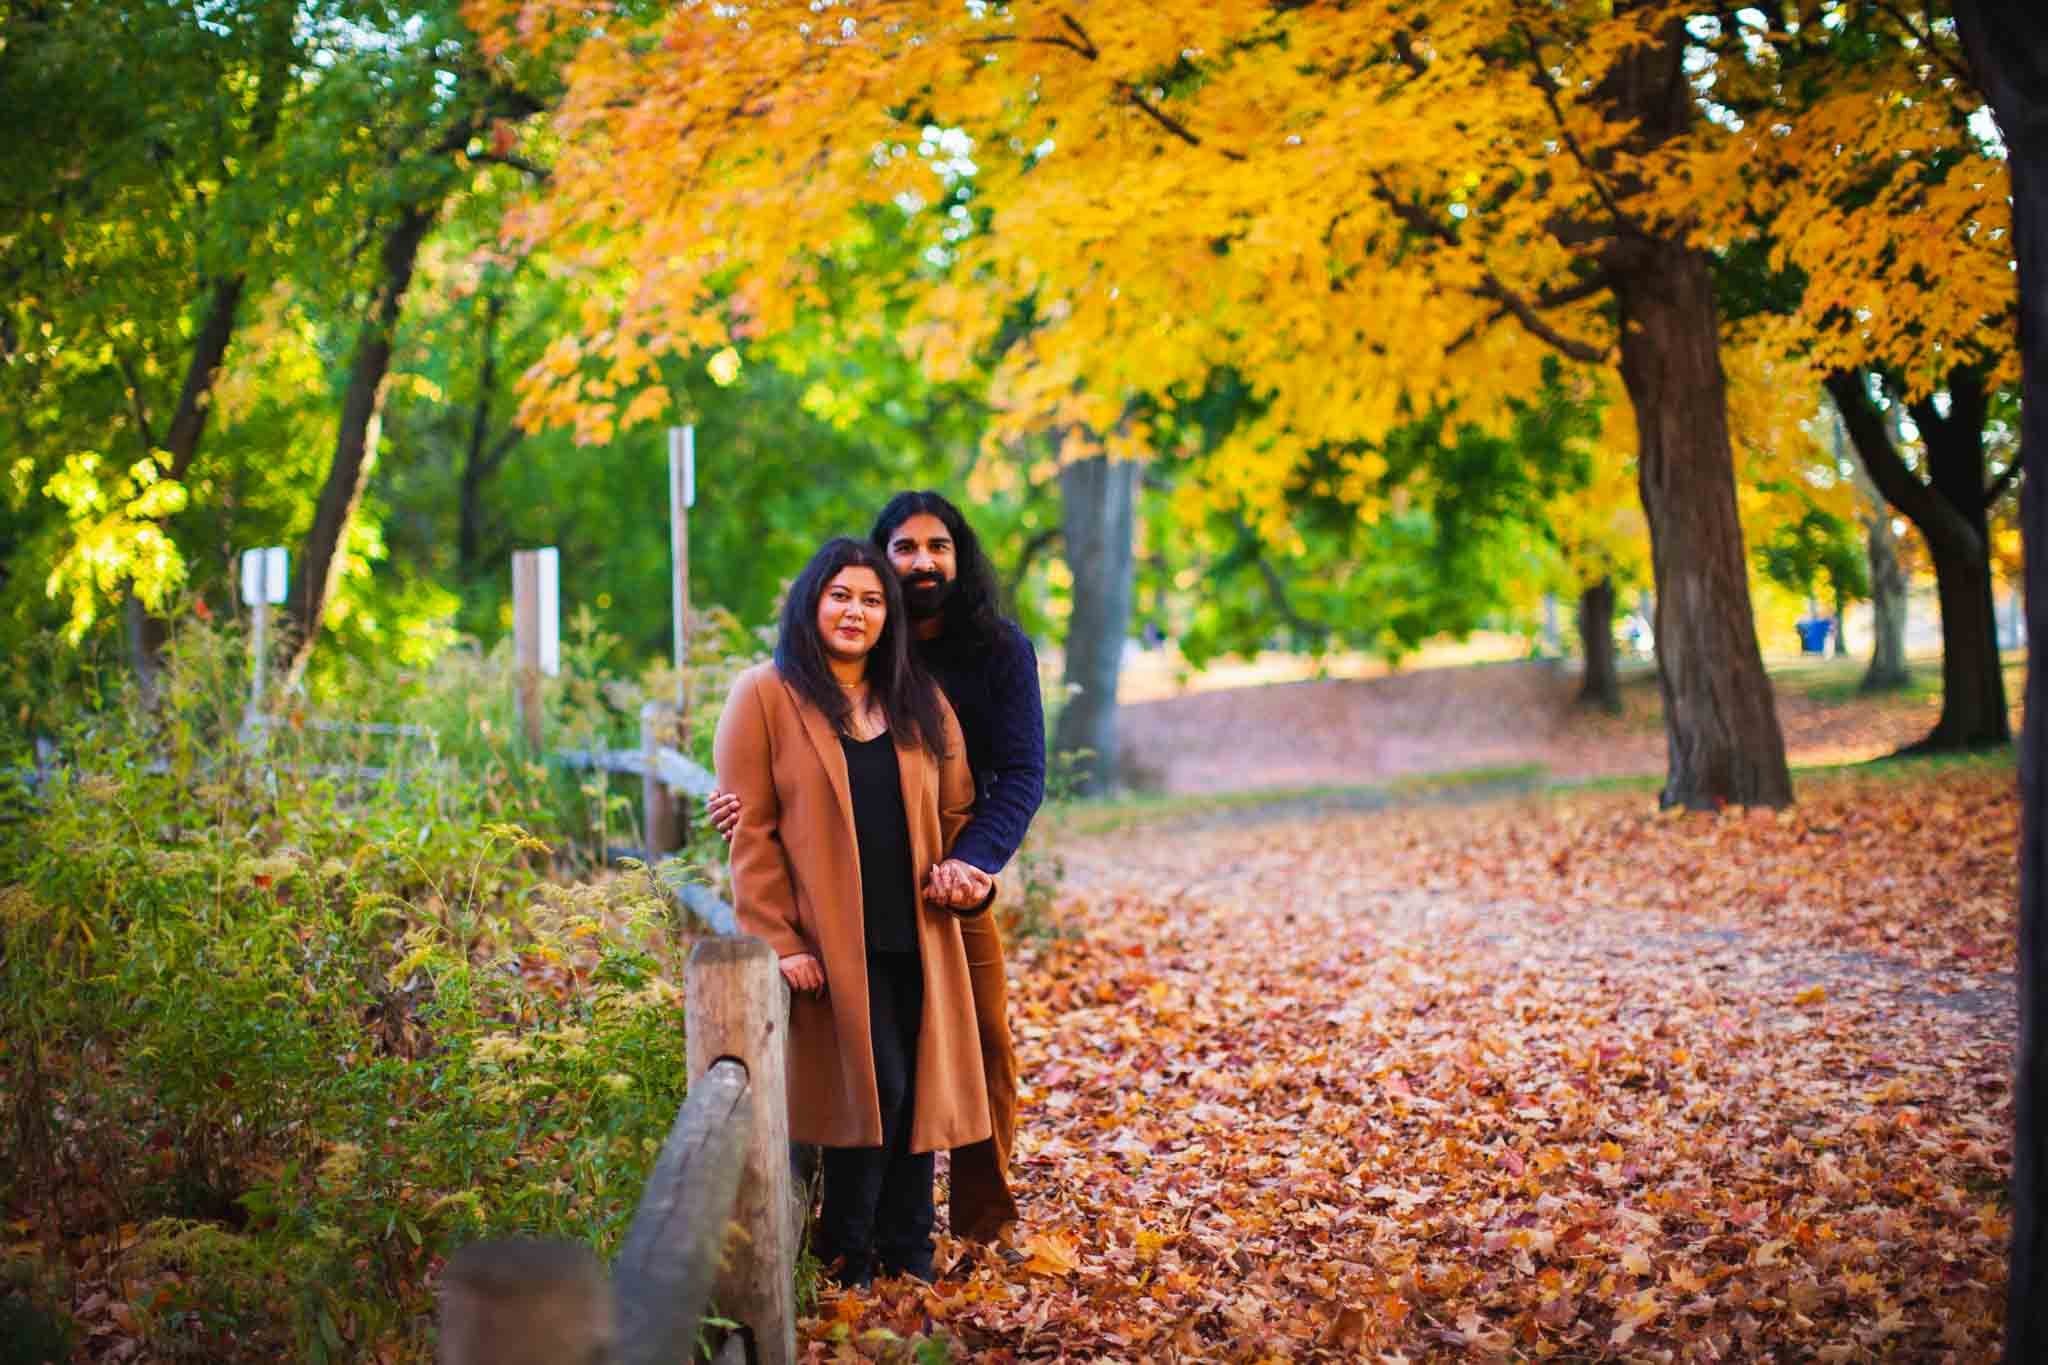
[
  {"x": 1016, "y": 757},
  {"x": 763, "y": 891}
]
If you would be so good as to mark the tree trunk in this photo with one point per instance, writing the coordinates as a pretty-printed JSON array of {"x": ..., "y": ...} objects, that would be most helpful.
[
  {"x": 1097, "y": 500},
  {"x": 1720, "y": 718},
  {"x": 1973, "y": 712},
  {"x": 1887, "y": 671},
  {"x": 148, "y": 634},
  {"x": 2008, "y": 45},
  {"x": 1601, "y": 684},
  {"x": 355, "y": 445},
  {"x": 1949, "y": 510},
  {"x": 482, "y": 456}
]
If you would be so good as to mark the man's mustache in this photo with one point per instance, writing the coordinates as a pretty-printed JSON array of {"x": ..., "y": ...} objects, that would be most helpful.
[{"x": 923, "y": 580}]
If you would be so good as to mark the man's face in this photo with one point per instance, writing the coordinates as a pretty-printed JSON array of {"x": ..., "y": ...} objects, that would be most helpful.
[{"x": 923, "y": 552}]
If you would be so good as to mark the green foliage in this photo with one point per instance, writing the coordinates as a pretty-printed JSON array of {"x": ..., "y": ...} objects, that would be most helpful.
[
  {"x": 1466, "y": 519},
  {"x": 309, "y": 1029},
  {"x": 1818, "y": 551}
]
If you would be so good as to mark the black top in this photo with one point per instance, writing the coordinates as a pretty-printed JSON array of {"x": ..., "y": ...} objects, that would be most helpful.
[
  {"x": 994, "y": 692},
  {"x": 882, "y": 829}
]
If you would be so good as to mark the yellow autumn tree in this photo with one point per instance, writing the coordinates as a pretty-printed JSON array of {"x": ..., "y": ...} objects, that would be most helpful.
[
  {"x": 1369, "y": 209},
  {"x": 1865, "y": 174}
]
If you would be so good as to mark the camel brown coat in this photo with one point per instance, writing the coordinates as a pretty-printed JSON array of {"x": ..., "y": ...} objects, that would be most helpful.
[{"x": 796, "y": 885}]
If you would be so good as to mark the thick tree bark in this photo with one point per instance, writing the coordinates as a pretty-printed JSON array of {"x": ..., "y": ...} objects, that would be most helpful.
[
  {"x": 1098, "y": 499},
  {"x": 2007, "y": 41},
  {"x": 1600, "y": 684},
  {"x": 1950, "y": 510},
  {"x": 355, "y": 444},
  {"x": 1720, "y": 718}
]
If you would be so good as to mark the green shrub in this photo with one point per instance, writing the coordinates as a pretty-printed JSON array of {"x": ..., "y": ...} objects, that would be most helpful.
[{"x": 307, "y": 1030}]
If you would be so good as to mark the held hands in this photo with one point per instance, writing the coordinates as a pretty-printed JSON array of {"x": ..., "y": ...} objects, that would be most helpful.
[
  {"x": 802, "y": 972},
  {"x": 724, "y": 810},
  {"x": 957, "y": 885}
]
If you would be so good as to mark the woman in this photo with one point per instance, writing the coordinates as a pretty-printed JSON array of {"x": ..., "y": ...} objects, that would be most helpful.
[{"x": 853, "y": 781}]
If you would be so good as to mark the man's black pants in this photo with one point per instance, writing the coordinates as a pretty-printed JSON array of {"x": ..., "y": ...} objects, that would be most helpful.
[{"x": 878, "y": 1200}]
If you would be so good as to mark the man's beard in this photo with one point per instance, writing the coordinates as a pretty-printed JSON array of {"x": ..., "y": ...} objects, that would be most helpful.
[{"x": 926, "y": 595}]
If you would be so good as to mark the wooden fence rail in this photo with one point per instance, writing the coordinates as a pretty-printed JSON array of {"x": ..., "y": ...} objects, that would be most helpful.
[{"x": 716, "y": 1222}]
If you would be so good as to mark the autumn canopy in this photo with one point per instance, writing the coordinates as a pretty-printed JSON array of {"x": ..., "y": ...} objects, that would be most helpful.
[{"x": 1369, "y": 212}]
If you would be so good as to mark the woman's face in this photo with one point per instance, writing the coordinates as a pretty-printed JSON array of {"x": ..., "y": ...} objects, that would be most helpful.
[{"x": 852, "y": 612}]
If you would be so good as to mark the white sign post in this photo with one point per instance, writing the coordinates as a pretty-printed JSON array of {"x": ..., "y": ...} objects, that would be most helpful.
[
  {"x": 263, "y": 586},
  {"x": 682, "y": 496},
  {"x": 536, "y": 630}
]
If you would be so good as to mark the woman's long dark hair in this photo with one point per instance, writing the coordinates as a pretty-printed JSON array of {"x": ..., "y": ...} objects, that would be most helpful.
[
  {"x": 971, "y": 613},
  {"x": 908, "y": 697}
]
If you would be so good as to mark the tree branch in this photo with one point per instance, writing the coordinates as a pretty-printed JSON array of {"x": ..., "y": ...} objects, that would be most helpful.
[
  {"x": 1548, "y": 85},
  {"x": 1492, "y": 289},
  {"x": 1404, "y": 48},
  {"x": 133, "y": 382},
  {"x": 1959, "y": 69},
  {"x": 1172, "y": 124},
  {"x": 1913, "y": 496},
  {"x": 1033, "y": 547},
  {"x": 1028, "y": 40},
  {"x": 1525, "y": 313},
  {"x": 1276, "y": 587},
  {"x": 518, "y": 163},
  {"x": 2004, "y": 479},
  {"x": 506, "y": 443}
]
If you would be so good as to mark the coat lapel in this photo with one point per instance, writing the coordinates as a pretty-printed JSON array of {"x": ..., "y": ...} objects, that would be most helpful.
[{"x": 826, "y": 742}]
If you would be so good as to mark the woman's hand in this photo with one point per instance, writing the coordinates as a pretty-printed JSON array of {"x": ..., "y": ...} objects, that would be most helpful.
[
  {"x": 958, "y": 885},
  {"x": 802, "y": 972},
  {"x": 724, "y": 810}
]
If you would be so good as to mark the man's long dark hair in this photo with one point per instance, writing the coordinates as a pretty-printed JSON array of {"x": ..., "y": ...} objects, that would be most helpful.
[
  {"x": 908, "y": 697},
  {"x": 972, "y": 613}
]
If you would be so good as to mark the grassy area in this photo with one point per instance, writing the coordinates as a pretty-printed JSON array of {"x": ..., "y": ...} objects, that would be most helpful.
[
  {"x": 1083, "y": 817},
  {"x": 1840, "y": 681}
]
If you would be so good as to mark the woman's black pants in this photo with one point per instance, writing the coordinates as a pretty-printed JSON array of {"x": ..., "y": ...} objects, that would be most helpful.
[{"x": 878, "y": 1200}]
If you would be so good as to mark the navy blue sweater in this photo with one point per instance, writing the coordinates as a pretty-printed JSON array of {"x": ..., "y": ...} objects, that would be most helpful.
[{"x": 994, "y": 692}]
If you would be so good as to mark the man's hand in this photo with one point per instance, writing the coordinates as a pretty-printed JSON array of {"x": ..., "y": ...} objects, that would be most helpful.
[
  {"x": 958, "y": 885},
  {"x": 802, "y": 972},
  {"x": 724, "y": 810}
]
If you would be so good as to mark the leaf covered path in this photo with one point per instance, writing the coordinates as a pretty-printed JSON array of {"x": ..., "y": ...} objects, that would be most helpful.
[{"x": 1559, "y": 1079}]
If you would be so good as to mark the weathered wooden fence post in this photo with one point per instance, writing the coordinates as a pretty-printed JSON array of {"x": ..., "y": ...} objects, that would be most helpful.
[
  {"x": 536, "y": 632},
  {"x": 661, "y": 812},
  {"x": 737, "y": 1006},
  {"x": 520, "y": 1302},
  {"x": 524, "y": 1302}
]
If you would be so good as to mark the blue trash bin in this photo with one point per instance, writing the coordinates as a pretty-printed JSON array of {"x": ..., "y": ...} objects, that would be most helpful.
[{"x": 1813, "y": 634}]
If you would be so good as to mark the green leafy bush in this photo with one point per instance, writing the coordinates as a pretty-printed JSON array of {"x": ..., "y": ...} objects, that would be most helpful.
[{"x": 282, "y": 1033}]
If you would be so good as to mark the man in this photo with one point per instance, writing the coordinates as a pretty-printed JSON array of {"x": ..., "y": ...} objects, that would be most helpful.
[{"x": 989, "y": 672}]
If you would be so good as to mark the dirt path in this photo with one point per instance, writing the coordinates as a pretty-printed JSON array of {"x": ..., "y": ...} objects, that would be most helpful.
[{"x": 1284, "y": 1104}]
